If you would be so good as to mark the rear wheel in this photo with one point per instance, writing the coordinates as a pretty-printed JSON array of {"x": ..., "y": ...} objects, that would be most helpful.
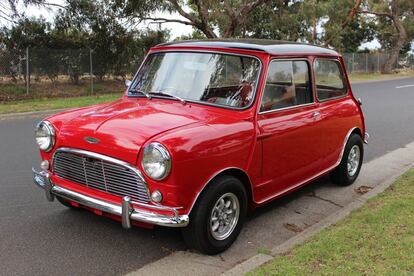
[
  {"x": 217, "y": 217},
  {"x": 348, "y": 170}
]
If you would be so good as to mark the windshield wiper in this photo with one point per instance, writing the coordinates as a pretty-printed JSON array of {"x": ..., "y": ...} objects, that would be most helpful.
[
  {"x": 140, "y": 91},
  {"x": 161, "y": 93}
]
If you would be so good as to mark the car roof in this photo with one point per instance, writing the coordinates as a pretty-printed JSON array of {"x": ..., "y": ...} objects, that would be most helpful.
[{"x": 273, "y": 47}]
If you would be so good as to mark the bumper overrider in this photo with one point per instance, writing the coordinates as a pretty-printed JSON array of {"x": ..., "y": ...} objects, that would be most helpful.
[{"x": 126, "y": 210}]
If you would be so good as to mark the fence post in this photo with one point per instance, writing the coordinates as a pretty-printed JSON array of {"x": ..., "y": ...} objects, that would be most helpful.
[
  {"x": 27, "y": 71},
  {"x": 366, "y": 62},
  {"x": 353, "y": 62},
  {"x": 378, "y": 62},
  {"x": 91, "y": 68}
]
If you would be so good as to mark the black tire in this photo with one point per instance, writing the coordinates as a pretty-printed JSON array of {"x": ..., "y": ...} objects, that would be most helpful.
[
  {"x": 65, "y": 203},
  {"x": 340, "y": 174},
  {"x": 198, "y": 234}
]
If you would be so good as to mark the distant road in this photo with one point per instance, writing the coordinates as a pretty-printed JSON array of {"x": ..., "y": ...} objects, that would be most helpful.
[
  {"x": 389, "y": 111},
  {"x": 37, "y": 237}
]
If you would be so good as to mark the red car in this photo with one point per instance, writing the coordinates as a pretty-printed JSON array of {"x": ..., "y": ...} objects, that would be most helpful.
[{"x": 206, "y": 131}]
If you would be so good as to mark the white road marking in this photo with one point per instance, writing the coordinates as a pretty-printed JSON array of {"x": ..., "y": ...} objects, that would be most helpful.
[{"x": 405, "y": 86}]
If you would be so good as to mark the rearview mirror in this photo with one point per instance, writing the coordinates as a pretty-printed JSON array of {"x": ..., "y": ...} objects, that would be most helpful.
[{"x": 128, "y": 83}]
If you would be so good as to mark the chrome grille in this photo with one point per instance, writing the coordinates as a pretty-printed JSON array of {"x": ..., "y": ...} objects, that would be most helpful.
[{"x": 100, "y": 174}]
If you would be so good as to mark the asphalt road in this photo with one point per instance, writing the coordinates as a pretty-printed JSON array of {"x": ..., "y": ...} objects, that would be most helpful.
[{"x": 41, "y": 238}]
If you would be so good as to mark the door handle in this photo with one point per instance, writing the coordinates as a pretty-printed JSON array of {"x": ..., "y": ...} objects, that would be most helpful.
[{"x": 316, "y": 114}]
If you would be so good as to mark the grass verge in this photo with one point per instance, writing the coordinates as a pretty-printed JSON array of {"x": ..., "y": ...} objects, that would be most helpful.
[
  {"x": 363, "y": 77},
  {"x": 48, "y": 104},
  {"x": 58, "y": 103},
  {"x": 377, "y": 239}
]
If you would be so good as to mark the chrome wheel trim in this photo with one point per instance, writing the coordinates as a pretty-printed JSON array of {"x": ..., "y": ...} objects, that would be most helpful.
[
  {"x": 354, "y": 157},
  {"x": 224, "y": 216}
]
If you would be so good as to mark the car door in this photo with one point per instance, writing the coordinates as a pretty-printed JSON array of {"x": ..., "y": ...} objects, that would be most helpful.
[
  {"x": 335, "y": 106},
  {"x": 287, "y": 126}
]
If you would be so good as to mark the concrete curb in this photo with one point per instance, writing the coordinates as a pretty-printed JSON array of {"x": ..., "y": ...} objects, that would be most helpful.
[{"x": 261, "y": 259}]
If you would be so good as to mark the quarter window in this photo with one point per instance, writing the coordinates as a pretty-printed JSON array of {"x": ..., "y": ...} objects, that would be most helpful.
[
  {"x": 287, "y": 85},
  {"x": 330, "y": 80}
]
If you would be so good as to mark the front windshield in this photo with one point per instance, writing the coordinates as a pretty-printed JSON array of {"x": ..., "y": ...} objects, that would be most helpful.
[{"x": 219, "y": 79}]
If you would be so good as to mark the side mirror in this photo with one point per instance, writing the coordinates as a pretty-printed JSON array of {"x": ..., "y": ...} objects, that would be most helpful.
[
  {"x": 128, "y": 83},
  {"x": 359, "y": 101}
]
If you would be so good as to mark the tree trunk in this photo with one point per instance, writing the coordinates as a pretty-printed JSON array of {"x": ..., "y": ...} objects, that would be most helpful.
[
  {"x": 402, "y": 37},
  {"x": 206, "y": 30}
]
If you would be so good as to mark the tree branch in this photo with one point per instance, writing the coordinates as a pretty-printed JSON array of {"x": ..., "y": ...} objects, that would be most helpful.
[
  {"x": 168, "y": 20},
  {"x": 39, "y": 2},
  {"x": 239, "y": 17},
  {"x": 351, "y": 13},
  {"x": 180, "y": 10},
  {"x": 376, "y": 13},
  {"x": 200, "y": 23},
  {"x": 248, "y": 8},
  {"x": 348, "y": 19},
  {"x": 7, "y": 19}
]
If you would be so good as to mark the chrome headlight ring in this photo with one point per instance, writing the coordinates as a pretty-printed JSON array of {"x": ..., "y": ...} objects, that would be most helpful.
[
  {"x": 45, "y": 136},
  {"x": 156, "y": 161}
]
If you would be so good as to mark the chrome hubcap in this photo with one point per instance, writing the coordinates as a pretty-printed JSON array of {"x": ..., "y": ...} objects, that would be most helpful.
[
  {"x": 353, "y": 160},
  {"x": 224, "y": 216}
]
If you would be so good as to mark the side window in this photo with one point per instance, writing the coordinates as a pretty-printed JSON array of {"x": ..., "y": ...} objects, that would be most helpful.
[
  {"x": 329, "y": 78},
  {"x": 287, "y": 85}
]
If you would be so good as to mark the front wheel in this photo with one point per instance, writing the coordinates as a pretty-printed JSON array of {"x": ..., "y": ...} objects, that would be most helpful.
[
  {"x": 217, "y": 217},
  {"x": 348, "y": 170}
]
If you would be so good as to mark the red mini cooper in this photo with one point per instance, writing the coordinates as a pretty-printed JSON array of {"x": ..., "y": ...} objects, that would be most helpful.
[{"x": 206, "y": 131}]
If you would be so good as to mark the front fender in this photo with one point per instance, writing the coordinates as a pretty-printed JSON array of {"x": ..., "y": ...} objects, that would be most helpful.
[{"x": 199, "y": 152}]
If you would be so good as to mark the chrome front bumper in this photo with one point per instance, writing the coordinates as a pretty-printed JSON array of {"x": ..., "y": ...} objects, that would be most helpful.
[
  {"x": 126, "y": 211},
  {"x": 366, "y": 137}
]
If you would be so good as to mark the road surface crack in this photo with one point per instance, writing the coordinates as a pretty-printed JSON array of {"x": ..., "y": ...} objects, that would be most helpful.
[{"x": 313, "y": 194}]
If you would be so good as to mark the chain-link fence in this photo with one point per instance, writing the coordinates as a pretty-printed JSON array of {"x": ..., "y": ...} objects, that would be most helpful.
[
  {"x": 375, "y": 62},
  {"x": 47, "y": 73},
  {"x": 37, "y": 73}
]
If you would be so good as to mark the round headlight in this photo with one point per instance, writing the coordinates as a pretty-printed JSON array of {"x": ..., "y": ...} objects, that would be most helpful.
[
  {"x": 45, "y": 136},
  {"x": 156, "y": 161}
]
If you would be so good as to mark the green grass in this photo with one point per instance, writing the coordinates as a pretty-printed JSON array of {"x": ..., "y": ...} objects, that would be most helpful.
[
  {"x": 377, "y": 239},
  {"x": 362, "y": 77},
  {"x": 57, "y": 103},
  {"x": 47, "y": 104}
]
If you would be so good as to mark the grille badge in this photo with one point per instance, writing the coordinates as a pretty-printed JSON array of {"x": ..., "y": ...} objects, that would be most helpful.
[{"x": 91, "y": 140}]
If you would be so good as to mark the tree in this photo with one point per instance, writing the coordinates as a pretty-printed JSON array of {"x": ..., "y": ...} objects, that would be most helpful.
[
  {"x": 393, "y": 13},
  {"x": 281, "y": 20},
  {"x": 114, "y": 47},
  {"x": 226, "y": 16}
]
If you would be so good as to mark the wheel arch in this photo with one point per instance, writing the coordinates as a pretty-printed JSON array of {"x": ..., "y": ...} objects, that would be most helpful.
[
  {"x": 357, "y": 131},
  {"x": 235, "y": 172}
]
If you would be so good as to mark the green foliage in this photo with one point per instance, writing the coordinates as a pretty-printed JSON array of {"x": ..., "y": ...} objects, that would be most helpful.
[
  {"x": 116, "y": 49},
  {"x": 49, "y": 104},
  {"x": 281, "y": 20},
  {"x": 386, "y": 33}
]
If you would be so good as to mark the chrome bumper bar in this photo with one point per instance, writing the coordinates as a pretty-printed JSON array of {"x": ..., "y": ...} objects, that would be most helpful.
[
  {"x": 126, "y": 211},
  {"x": 366, "y": 138}
]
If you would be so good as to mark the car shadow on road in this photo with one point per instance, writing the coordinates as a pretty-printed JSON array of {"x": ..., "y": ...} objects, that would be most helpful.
[{"x": 306, "y": 190}]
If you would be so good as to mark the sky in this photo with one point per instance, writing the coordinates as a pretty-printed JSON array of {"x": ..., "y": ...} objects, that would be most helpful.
[{"x": 176, "y": 29}]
